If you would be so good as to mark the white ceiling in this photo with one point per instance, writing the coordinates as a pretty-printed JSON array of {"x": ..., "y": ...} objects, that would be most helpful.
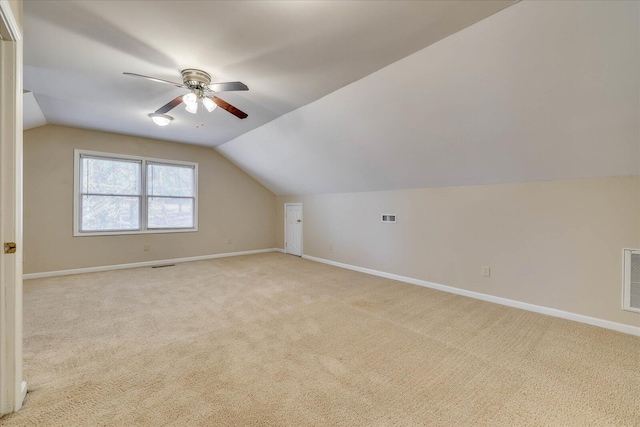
[
  {"x": 539, "y": 91},
  {"x": 288, "y": 53}
]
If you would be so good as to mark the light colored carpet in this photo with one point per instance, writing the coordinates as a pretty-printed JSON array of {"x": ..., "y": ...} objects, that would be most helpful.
[{"x": 272, "y": 339}]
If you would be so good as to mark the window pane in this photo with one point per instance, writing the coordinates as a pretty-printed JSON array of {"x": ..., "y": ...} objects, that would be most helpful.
[
  {"x": 165, "y": 180},
  {"x": 164, "y": 212},
  {"x": 108, "y": 176},
  {"x": 110, "y": 213}
]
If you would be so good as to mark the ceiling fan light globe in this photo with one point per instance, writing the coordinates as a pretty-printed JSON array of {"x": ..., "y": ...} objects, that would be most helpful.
[
  {"x": 160, "y": 119},
  {"x": 208, "y": 104},
  {"x": 190, "y": 99},
  {"x": 192, "y": 108}
]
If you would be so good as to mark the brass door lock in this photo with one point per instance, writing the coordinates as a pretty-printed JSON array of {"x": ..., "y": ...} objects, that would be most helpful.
[{"x": 10, "y": 248}]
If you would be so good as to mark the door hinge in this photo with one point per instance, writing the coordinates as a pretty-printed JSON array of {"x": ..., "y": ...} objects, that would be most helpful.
[{"x": 9, "y": 247}]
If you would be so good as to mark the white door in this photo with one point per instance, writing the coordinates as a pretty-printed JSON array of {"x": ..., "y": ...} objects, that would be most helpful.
[
  {"x": 12, "y": 388},
  {"x": 293, "y": 229}
]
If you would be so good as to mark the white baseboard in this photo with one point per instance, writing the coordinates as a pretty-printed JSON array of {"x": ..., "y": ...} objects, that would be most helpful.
[
  {"x": 620, "y": 327},
  {"x": 142, "y": 264},
  {"x": 279, "y": 250}
]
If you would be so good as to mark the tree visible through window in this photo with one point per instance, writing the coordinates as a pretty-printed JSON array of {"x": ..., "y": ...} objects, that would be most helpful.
[
  {"x": 170, "y": 196},
  {"x": 111, "y": 194}
]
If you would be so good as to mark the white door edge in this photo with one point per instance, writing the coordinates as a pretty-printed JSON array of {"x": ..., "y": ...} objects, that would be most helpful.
[{"x": 12, "y": 388}]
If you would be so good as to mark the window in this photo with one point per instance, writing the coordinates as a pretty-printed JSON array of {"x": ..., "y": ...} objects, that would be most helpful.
[{"x": 117, "y": 194}]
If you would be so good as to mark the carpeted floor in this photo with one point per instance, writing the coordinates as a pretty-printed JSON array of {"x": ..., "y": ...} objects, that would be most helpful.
[{"x": 272, "y": 339}]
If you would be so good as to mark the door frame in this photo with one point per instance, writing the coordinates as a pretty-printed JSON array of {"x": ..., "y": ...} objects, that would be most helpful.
[
  {"x": 285, "y": 228},
  {"x": 12, "y": 388}
]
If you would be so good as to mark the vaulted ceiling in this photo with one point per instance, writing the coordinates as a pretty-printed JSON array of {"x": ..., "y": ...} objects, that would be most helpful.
[
  {"x": 539, "y": 91},
  {"x": 289, "y": 53},
  {"x": 358, "y": 96}
]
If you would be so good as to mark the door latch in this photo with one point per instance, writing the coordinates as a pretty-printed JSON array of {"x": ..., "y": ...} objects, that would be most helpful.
[{"x": 9, "y": 247}]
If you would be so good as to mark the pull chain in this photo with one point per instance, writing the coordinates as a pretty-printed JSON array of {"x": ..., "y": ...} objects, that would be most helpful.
[{"x": 201, "y": 114}]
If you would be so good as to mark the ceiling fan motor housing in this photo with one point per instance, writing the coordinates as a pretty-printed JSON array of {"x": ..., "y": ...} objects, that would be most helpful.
[{"x": 196, "y": 79}]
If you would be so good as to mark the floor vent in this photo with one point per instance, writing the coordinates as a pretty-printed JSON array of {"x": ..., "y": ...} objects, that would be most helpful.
[
  {"x": 631, "y": 285},
  {"x": 163, "y": 266}
]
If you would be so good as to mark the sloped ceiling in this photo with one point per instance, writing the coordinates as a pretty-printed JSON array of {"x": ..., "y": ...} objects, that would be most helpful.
[
  {"x": 32, "y": 116},
  {"x": 289, "y": 53},
  {"x": 539, "y": 91}
]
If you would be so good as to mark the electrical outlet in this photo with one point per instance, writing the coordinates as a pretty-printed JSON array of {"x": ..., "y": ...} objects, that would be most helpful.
[
  {"x": 330, "y": 247},
  {"x": 228, "y": 240},
  {"x": 486, "y": 271},
  {"x": 146, "y": 247}
]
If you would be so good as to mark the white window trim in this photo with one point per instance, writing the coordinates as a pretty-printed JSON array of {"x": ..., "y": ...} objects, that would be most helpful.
[{"x": 143, "y": 203}]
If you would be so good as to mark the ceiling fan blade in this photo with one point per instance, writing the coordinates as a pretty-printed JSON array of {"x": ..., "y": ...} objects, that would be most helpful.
[
  {"x": 153, "y": 79},
  {"x": 170, "y": 105},
  {"x": 230, "y": 108},
  {"x": 227, "y": 86}
]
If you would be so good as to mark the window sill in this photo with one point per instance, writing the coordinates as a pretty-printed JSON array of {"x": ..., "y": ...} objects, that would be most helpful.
[{"x": 122, "y": 233}]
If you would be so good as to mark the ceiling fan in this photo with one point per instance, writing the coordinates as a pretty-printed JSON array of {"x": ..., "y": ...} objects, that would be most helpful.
[{"x": 200, "y": 89}]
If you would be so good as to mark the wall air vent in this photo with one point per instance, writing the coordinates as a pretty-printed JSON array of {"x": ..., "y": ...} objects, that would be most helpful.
[
  {"x": 631, "y": 285},
  {"x": 388, "y": 217}
]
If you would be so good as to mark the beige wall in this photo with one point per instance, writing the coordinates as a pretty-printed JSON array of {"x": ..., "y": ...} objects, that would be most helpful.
[
  {"x": 16, "y": 8},
  {"x": 231, "y": 204},
  {"x": 555, "y": 244}
]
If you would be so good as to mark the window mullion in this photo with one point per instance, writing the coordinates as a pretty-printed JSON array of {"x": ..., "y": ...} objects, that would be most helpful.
[
  {"x": 79, "y": 226},
  {"x": 143, "y": 199}
]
